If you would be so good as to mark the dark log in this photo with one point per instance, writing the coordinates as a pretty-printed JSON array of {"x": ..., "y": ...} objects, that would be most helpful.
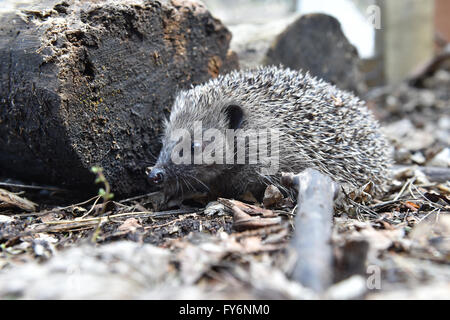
[
  {"x": 316, "y": 43},
  {"x": 313, "y": 226},
  {"x": 88, "y": 83}
]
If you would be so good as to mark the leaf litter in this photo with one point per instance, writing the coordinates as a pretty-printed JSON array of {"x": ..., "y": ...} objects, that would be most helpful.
[{"x": 102, "y": 248}]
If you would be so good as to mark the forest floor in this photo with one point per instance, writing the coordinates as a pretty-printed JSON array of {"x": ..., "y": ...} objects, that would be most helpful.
[{"x": 394, "y": 246}]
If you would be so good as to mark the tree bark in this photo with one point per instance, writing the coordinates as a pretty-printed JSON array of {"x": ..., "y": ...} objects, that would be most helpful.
[{"x": 87, "y": 83}]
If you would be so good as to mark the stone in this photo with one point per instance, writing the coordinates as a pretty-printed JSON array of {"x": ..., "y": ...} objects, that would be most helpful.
[{"x": 316, "y": 43}]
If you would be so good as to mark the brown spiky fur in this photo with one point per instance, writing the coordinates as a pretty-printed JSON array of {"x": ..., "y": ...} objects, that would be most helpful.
[{"x": 322, "y": 127}]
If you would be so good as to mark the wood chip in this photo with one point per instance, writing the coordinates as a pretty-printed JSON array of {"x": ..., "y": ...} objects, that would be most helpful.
[{"x": 16, "y": 201}]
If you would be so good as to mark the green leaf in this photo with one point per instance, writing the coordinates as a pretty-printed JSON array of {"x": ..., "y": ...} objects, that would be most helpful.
[
  {"x": 99, "y": 180},
  {"x": 95, "y": 169},
  {"x": 101, "y": 192}
]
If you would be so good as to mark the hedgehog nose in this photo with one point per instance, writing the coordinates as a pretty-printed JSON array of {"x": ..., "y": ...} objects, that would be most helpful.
[{"x": 156, "y": 175}]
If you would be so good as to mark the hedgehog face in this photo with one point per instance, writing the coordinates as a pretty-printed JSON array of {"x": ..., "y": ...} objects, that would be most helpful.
[{"x": 194, "y": 146}]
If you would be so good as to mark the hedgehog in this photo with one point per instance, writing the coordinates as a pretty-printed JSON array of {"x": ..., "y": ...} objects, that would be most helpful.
[{"x": 303, "y": 121}]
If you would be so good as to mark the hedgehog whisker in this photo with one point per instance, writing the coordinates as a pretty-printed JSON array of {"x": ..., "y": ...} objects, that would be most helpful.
[
  {"x": 179, "y": 188},
  {"x": 201, "y": 182},
  {"x": 183, "y": 181},
  {"x": 188, "y": 184}
]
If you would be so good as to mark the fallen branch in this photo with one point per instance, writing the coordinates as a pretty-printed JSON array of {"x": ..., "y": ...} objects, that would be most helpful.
[
  {"x": 246, "y": 216},
  {"x": 16, "y": 201},
  {"x": 313, "y": 223}
]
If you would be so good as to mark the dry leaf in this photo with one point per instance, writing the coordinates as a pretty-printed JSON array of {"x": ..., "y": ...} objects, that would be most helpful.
[
  {"x": 247, "y": 208},
  {"x": 130, "y": 225},
  {"x": 412, "y": 206}
]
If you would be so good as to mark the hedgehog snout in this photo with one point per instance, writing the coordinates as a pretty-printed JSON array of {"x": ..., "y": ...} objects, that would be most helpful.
[{"x": 155, "y": 176}]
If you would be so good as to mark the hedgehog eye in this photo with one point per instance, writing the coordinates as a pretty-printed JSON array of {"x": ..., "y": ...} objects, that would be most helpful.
[{"x": 235, "y": 116}]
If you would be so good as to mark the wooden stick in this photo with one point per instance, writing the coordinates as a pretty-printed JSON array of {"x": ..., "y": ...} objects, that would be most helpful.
[
  {"x": 16, "y": 201},
  {"x": 313, "y": 223}
]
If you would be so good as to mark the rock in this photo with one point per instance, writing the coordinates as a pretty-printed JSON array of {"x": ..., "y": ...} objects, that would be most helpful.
[
  {"x": 215, "y": 208},
  {"x": 316, "y": 43},
  {"x": 272, "y": 196},
  {"x": 87, "y": 83},
  {"x": 5, "y": 219},
  {"x": 418, "y": 158},
  {"x": 442, "y": 159}
]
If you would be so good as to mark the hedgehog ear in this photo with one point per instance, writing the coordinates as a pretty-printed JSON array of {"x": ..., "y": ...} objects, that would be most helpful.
[{"x": 235, "y": 116}]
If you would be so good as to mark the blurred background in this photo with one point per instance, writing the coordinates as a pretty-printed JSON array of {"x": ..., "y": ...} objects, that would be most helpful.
[{"x": 393, "y": 38}]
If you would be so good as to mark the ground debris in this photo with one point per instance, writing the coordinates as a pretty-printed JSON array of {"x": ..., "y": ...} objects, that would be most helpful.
[
  {"x": 9, "y": 199},
  {"x": 272, "y": 196},
  {"x": 247, "y": 216},
  {"x": 226, "y": 250},
  {"x": 393, "y": 245}
]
